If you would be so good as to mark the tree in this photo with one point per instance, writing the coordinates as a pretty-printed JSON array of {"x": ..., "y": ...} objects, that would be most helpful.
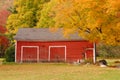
[
  {"x": 4, "y": 13},
  {"x": 25, "y": 13},
  {"x": 46, "y": 19},
  {"x": 10, "y": 54},
  {"x": 3, "y": 41},
  {"x": 1, "y": 3},
  {"x": 94, "y": 20},
  {"x": 108, "y": 51}
]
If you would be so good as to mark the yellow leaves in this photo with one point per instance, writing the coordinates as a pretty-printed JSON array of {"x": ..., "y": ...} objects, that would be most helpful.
[
  {"x": 111, "y": 35},
  {"x": 118, "y": 14},
  {"x": 45, "y": 18},
  {"x": 60, "y": 1},
  {"x": 114, "y": 4},
  {"x": 118, "y": 25},
  {"x": 15, "y": 3},
  {"x": 111, "y": 40},
  {"x": 113, "y": 7},
  {"x": 10, "y": 25},
  {"x": 68, "y": 31},
  {"x": 30, "y": 14},
  {"x": 95, "y": 20}
]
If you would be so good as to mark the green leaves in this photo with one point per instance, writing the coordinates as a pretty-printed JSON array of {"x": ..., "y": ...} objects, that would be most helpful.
[
  {"x": 46, "y": 19},
  {"x": 26, "y": 13}
]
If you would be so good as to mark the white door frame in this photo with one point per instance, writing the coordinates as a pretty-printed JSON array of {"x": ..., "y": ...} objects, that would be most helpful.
[
  {"x": 87, "y": 50},
  {"x": 94, "y": 52},
  {"x": 22, "y": 47},
  {"x": 56, "y": 47},
  {"x": 16, "y": 51}
]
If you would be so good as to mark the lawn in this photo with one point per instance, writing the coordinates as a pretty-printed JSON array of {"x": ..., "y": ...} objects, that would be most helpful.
[{"x": 55, "y": 71}]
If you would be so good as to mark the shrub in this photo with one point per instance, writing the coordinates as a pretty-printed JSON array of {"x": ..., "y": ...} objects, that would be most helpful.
[
  {"x": 108, "y": 51},
  {"x": 10, "y": 54}
]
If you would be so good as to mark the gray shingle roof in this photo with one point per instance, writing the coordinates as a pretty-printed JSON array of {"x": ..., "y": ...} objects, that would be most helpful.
[{"x": 43, "y": 34}]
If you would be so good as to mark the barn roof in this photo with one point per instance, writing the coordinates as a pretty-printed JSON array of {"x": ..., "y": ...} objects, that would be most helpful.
[{"x": 43, "y": 34}]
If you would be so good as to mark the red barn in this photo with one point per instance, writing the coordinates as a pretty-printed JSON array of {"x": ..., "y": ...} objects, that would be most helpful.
[{"x": 39, "y": 45}]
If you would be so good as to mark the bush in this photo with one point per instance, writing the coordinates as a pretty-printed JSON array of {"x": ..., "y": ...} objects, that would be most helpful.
[
  {"x": 10, "y": 54},
  {"x": 107, "y": 51}
]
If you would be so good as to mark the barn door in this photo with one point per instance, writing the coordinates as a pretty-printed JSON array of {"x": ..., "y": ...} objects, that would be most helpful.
[
  {"x": 29, "y": 54},
  {"x": 89, "y": 55},
  {"x": 57, "y": 53}
]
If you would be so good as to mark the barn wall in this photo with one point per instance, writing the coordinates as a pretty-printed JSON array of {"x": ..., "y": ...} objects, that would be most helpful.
[{"x": 74, "y": 49}]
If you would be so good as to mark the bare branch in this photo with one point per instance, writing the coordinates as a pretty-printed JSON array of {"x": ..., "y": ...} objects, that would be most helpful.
[
  {"x": 87, "y": 30},
  {"x": 99, "y": 29}
]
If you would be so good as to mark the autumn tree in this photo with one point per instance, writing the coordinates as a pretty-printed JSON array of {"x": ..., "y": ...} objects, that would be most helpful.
[
  {"x": 1, "y": 3},
  {"x": 3, "y": 41},
  {"x": 94, "y": 20},
  {"x": 46, "y": 19},
  {"x": 4, "y": 13},
  {"x": 25, "y": 13}
]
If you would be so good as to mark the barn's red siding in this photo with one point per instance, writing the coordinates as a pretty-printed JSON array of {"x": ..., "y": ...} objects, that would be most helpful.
[{"x": 74, "y": 50}]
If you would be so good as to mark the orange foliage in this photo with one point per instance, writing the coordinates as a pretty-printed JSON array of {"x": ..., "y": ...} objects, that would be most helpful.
[{"x": 95, "y": 20}]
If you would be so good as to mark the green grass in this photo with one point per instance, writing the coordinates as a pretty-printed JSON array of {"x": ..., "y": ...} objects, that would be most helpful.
[{"x": 52, "y": 71}]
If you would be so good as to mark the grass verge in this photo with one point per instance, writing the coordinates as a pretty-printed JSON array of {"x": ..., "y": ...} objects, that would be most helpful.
[{"x": 55, "y": 71}]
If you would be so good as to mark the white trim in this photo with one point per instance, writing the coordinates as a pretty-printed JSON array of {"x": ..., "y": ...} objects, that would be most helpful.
[
  {"x": 89, "y": 48},
  {"x": 93, "y": 49},
  {"x": 49, "y": 54},
  {"x": 65, "y": 54},
  {"x": 16, "y": 51},
  {"x": 86, "y": 53},
  {"x": 57, "y": 47},
  {"x": 94, "y": 53},
  {"x": 30, "y": 47}
]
